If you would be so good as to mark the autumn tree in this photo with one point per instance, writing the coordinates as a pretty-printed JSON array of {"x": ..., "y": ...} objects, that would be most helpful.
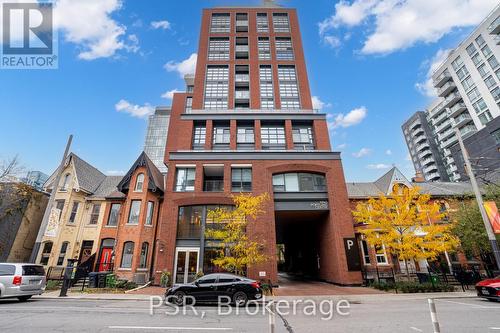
[
  {"x": 469, "y": 226},
  {"x": 237, "y": 251},
  {"x": 407, "y": 224}
]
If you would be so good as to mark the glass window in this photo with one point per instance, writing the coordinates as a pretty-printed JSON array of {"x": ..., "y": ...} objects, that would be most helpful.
[
  {"x": 485, "y": 117},
  {"x": 127, "y": 255},
  {"x": 218, "y": 48},
  {"x": 473, "y": 95},
  {"x": 284, "y": 49},
  {"x": 302, "y": 137},
  {"x": 221, "y": 22},
  {"x": 262, "y": 22},
  {"x": 184, "y": 179},
  {"x": 189, "y": 104},
  {"x": 62, "y": 253},
  {"x": 299, "y": 182},
  {"x": 280, "y": 22},
  {"x": 490, "y": 81},
  {"x": 496, "y": 94},
  {"x": 272, "y": 137},
  {"x": 266, "y": 87},
  {"x": 365, "y": 252},
  {"x": 264, "y": 47},
  {"x": 480, "y": 40},
  {"x": 245, "y": 135},
  {"x": 149, "y": 215},
  {"x": 289, "y": 89},
  {"x": 65, "y": 184},
  {"x": 221, "y": 135},
  {"x": 480, "y": 106},
  {"x": 457, "y": 63},
  {"x": 113, "y": 214},
  {"x": 496, "y": 136},
  {"x": 47, "y": 248},
  {"x": 468, "y": 83},
  {"x": 6, "y": 270},
  {"x": 477, "y": 59},
  {"x": 135, "y": 211},
  {"x": 60, "y": 207},
  {"x": 74, "y": 211},
  {"x": 189, "y": 222},
  {"x": 381, "y": 254},
  {"x": 486, "y": 51},
  {"x": 471, "y": 49},
  {"x": 199, "y": 135},
  {"x": 493, "y": 62},
  {"x": 94, "y": 215},
  {"x": 241, "y": 179},
  {"x": 483, "y": 70},
  {"x": 216, "y": 87},
  {"x": 144, "y": 255},
  {"x": 139, "y": 183},
  {"x": 462, "y": 72}
]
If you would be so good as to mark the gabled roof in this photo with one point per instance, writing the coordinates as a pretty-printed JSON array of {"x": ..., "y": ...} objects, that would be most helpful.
[
  {"x": 155, "y": 176},
  {"x": 107, "y": 187},
  {"x": 88, "y": 177},
  {"x": 384, "y": 185}
]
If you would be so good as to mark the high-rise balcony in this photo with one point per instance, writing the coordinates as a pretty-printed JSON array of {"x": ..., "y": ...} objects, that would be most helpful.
[
  {"x": 445, "y": 124},
  {"x": 440, "y": 80},
  {"x": 467, "y": 131},
  {"x": 420, "y": 138},
  {"x": 415, "y": 123},
  {"x": 452, "y": 99},
  {"x": 446, "y": 134},
  {"x": 242, "y": 78},
  {"x": 457, "y": 109},
  {"x": 462, "y": 119},
  {"x": 242, "y": 95},
  {"x": 494, "y": 28},
  {"x": 446, "y": 88},
  {"x": 417, "y": 131},
  {"x": 241, "y": 49},
  {"x": 422, "y": 146},
  {"x": 213, "y": 185},
  {"x": 432, "y": 176},
  {"x": 449, "y": 142},
  {"x": 423, "y": 154},
  {"x": 241, "y": 25},
  {"x": 430, "y": 168},
  {"x": 438, "y": 116},
  {"x": 428, "y": 160}
]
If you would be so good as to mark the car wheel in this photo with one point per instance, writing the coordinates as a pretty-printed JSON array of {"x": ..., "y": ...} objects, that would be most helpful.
[
  {"x": 179, "y": 298},
  {"x": 492, "y": 300},
  {"x": 240, "y": 298},
  {"x": 23, "y": 298}
]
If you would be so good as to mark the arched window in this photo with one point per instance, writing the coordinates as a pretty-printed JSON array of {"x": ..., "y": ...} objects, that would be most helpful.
[
  {"x": 127, "y": 255},
  {"x": 62, "y": 253},
  {"x": 65, "y": 184},
  {"x": 299, "y": 182},
  {"x": 47, "y": 248},
  {"x": 139, "y": 182},
  {"x": 144, "y": 255}
]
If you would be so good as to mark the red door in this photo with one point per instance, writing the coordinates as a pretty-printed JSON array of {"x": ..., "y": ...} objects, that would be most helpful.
[{"x": 105, "y": 264}]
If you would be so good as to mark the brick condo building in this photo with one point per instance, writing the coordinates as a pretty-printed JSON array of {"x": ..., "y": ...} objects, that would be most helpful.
[{"x": 248, "y": 125}]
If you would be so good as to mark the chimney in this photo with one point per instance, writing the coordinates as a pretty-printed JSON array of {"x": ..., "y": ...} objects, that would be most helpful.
[{"x": 419, "y": 177}]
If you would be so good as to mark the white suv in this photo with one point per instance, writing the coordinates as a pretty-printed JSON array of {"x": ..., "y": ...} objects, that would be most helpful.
[{"x": 21, "y": 280}]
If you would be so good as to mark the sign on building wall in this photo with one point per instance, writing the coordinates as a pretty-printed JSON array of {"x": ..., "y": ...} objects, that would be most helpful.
[
  {"x": 53, "y": 224},
  {"x": 352, "y": 254},
  {"x": 493, "y": 215}
]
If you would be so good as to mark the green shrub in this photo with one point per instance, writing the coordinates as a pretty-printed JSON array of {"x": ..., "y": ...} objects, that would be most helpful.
[
  {"x": 382, "y": 286},
  {"x": 53, "y": 285},
  {"x": 165, "y": 279},
  {"x": 413, "y": 287}
]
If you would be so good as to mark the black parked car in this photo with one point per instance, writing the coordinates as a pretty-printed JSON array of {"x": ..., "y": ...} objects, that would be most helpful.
[{"x": 209, "y": 288}]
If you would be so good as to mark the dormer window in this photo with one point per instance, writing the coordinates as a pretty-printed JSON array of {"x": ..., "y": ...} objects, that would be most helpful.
[
  {"x": 139, "y": 183},
  {"x": 65, "y": 184}
]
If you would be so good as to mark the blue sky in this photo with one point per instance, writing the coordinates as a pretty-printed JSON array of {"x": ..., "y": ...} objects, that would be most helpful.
[{"x": 367, "y": 68}]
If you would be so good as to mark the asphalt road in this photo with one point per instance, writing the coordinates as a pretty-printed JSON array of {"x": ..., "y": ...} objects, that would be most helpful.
[{"x": 372, "y": 314}]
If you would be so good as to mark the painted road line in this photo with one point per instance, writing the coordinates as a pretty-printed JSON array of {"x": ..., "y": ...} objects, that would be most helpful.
[
  {"x": 171, "y": 328},
  {"x": 477, "y": 306},
  {"x": 494, "y": 328},
  {"x": 416, "y": 329}
]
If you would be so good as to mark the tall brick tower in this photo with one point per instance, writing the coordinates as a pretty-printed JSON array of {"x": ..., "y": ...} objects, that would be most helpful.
[{"x": 246, "y": 124}]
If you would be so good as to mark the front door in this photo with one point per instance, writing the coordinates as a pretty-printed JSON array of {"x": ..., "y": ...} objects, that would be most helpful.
[
  {"x": 186, "y": 264},
  {"x": 105, "y": 263},
  {"x": 86, "y": 251}
]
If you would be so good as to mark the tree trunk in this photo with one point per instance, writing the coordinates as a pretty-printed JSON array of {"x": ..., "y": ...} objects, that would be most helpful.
[{"x": 407, "y": 270}]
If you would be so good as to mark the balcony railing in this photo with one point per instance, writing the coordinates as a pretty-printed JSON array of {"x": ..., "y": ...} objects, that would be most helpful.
[
  {"x": 452, "y": 99},
  {"x": 442, "y": 78},
  {"x": 463, "y": 118},
  {"x": 242, "y": 78},
  {"x": 213, "y": 185},
  {"x": 241, "y": 48},
  {"x": 494, "y": 27},
  {"x": 430, "y": 168},
  {"x": 457, "y": 108},
  {"x": 245, "y": 111},
  {"x": 446, "y": 88},
  {"x": 242, "y": 94}
]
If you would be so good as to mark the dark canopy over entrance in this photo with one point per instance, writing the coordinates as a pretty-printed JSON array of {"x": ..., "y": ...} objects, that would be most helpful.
[{"x": 298, "y": 242}]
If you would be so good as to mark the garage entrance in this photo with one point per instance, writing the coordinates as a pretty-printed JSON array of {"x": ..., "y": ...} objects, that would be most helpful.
[{"x": 298, "y": 243}]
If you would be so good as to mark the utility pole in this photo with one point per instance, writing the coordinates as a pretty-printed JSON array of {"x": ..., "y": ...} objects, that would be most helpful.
[
  {"x": 50, "y": 204},
  {"x": 479, "y": 199}
]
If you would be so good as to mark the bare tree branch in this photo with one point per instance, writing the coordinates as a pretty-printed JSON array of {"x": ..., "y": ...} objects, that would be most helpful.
[{"x": 10, "y": 168}]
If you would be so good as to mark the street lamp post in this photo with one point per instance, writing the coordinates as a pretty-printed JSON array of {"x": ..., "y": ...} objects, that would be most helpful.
[{"x": 479, "y": 199}]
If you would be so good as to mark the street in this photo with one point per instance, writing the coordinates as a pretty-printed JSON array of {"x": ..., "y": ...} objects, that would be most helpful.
[{"x": 405, "y": 313}]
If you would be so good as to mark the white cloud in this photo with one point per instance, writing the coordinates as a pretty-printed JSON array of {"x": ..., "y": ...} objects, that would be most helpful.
[
  {"x": 427, "y": 87},
  {"x": 169, "y": 94},
  {"x": 187, "y": 66},
  {"x": 115, "y": 173},
  {"x": 332, "y": 41},
  {"x": 399, "y": 24},
  {"x": 318, "y": 104},
  {"x": 378, "y": 166},
  {"x": 362, "y": 152},
  {"x": 388, "y": 152},
  {"x": 165, "y": 25},
  {"x": 89, "y": 25},
  {"x": 134, "y": 109},
  {"x": 341, "y": 146},
  {"x": 352, "y": 118}
]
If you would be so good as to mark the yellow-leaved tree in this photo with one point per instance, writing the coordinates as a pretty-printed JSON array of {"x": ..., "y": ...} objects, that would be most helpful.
[
  {"x": 237, "y": 251},
  {"x": 407, "y": 224}
]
